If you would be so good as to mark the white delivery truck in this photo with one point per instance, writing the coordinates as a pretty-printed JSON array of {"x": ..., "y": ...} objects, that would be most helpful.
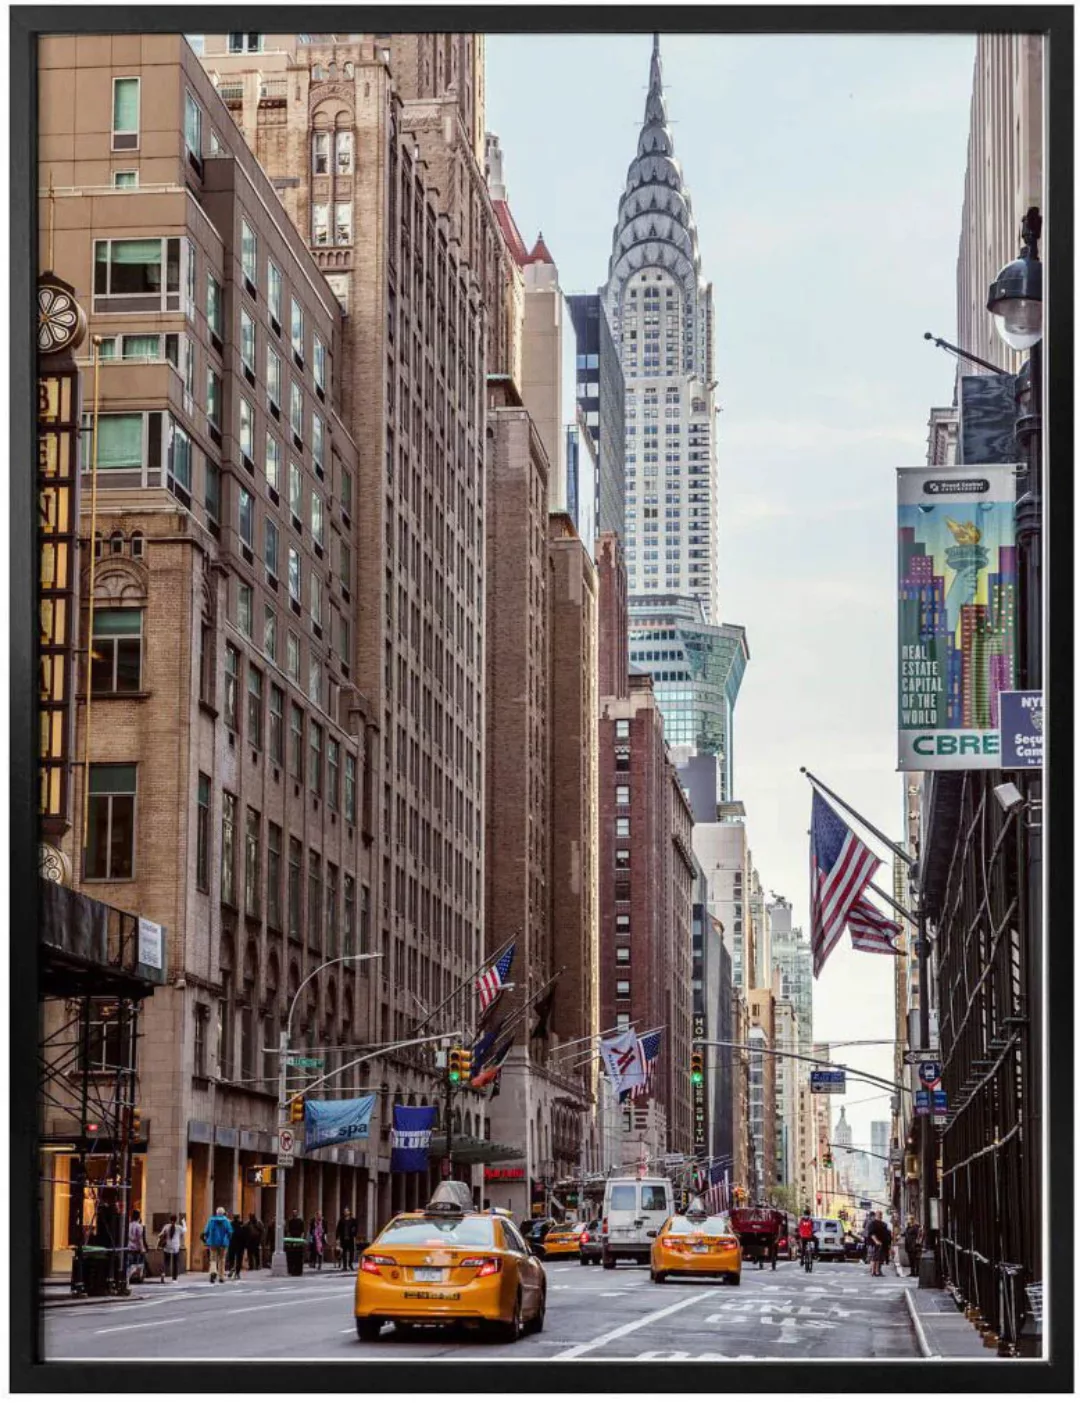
[{"x": 634, "y": 1212}]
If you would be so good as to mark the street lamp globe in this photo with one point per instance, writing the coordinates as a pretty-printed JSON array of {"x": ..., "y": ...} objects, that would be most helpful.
[{"x": 1015, "y": 300}]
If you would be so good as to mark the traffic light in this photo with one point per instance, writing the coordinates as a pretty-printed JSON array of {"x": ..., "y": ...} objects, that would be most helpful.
[
  {"x": 465, "y": 1064},
  {"x": 826, "y": 1159},
  {"x": 136, "y": 1123},
  {"x": 454, "y": 1064},
  {"x": 296, "y": 1109},
  {"x": 697, "y": 1068}
]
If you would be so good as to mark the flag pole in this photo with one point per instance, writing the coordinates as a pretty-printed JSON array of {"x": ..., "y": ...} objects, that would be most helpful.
[
  {"x": 900, "y": 910},
  {"x": 487, "y": 960},
  {"x": 901, "y": 853}
]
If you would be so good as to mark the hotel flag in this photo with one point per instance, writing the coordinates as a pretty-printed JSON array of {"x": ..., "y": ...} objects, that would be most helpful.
[
  {"x": 840, "y": 868},
  {"x": 624, "y": 1063}
]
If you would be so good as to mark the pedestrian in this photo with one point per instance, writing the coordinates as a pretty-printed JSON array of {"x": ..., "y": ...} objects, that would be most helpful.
[
  {"x": 234, "y": 1257},
  {"x": 171, "y": 1240},
  {"x": 136, "y": 1248},
  {"x": 254, "y": 1232},
  {"x": 217, "y": 1234},
  {"x": 345, "y": 1232},
  {"x": 318, "y": 1240},
  {"x": 269, "y": 1239},
  {"x": 913, "y": 1244},
  {"x": 881, "y": 1239}
]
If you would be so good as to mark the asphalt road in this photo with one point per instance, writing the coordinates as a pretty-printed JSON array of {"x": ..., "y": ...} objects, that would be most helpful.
[{"x": 838, "y": 1312}]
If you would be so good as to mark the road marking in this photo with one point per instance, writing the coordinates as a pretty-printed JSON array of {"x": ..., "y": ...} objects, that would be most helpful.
[
  {"x": 632, "y": 1325},
  {"x": 141, "y": 1325}
]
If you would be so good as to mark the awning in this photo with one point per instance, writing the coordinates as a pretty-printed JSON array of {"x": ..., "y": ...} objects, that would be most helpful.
[{"x": 469, "y": 1150}]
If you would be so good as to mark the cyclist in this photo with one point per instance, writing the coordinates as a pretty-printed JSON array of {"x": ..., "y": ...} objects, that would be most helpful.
[{"x": 807, "y": 1237}]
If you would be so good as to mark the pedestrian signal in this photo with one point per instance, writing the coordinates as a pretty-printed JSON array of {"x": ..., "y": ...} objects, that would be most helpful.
[
  {"x": 455, "y": 1060},
  {"x": 697, "y": 1068},
  {"x": 296, "y": 1109}
]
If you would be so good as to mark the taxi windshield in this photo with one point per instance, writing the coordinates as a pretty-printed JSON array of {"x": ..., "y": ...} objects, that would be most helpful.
[
  {"x": 709, "y": 1227},
  {"x": 439, "y": 1232}
]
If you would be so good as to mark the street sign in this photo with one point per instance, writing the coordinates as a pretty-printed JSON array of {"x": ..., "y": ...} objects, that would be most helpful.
[
  {"x": 830, "y": 1082},
  {"x": 941, "y": 1102},
  {"x": 675, "y": 1159},
  {"x": 286, "y": 1145},
  {"x": 263, "y": 1176},
  {"x": 304, "y": 1061},
  {"x": 922, "y": 1103},
  {"x": 865, "y": 1204},
  {"x": 915, "y": 1055},
  {"x": 929, "y": 1074}
]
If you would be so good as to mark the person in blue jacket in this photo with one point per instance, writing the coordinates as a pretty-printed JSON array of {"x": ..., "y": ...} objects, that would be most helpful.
[{"x": 217, "y": 1235}]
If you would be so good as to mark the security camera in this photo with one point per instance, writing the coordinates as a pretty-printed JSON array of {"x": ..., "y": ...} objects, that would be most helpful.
[{"x": 1008, "y": 796}]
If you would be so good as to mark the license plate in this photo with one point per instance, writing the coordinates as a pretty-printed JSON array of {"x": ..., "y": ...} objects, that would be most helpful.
[
  {"x": 701, "y": 1246},
  {"x": 428, "y": 1274}
]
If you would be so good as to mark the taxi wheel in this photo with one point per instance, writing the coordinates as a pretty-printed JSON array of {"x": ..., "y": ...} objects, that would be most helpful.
[
  {"x": 608, "y": 1262},
  {"x": 733, "y": 1278},
  {"x": 368, "y": 1328},
  {"x": 511, "y": 1330},
  {"x": 536, "y": 1324},
  {"x": 658, "y": 1276}
]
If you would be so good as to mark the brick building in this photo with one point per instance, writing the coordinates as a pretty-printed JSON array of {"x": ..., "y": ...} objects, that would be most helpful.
[{"x": 231, "y": 747}]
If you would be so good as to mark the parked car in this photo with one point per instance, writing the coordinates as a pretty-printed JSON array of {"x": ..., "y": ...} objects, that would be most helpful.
[
  {"x": 589, "y": 1245},
  {"x": 534, "y": 1230}
]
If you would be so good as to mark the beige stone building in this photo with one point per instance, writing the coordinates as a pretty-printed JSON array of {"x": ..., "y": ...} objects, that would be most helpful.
[
  {"x": 232, "y": 749},
  {"x": 761, "y": 1035}
]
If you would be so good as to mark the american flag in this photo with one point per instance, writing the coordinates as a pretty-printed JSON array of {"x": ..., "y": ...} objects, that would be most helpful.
[
  {"x": 650, "y": 1050},
  {"x": 840, "y": 867},
  {"x": 715, "y": 1197},
  {"x": 492, "y": 980},
  {"x": 870, "y": 930}
]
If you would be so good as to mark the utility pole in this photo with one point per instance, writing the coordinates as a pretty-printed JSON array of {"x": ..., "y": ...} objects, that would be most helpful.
[{"x": 449, "y": 1122}]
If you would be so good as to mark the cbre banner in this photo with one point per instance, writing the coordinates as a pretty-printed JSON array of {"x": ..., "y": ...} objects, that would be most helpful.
[
  {"x": 957, "y": 611},
  {"x": 336, "y": 1122}
]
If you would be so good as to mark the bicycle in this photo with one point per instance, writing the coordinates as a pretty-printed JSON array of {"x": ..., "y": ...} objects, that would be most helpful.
[{"x": 806, "y": 1254}]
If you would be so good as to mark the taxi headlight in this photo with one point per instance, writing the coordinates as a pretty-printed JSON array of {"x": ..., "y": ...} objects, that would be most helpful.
[
  {"x": 372, "y": 1264},
  {"x": 485, "y": 1266}
]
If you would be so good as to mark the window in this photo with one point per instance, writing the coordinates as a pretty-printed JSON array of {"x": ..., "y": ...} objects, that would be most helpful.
[
  {"x": 320, "y": 153},
  {"x": 125, "y": 180},
  {"x": 273, "y": 876},
  {"x": 232, "y": 682},
  {"x": 317, "y": 518},
  {"x": 116, "y": 657},
  {"x": 273, "y": 463},
  {"x": 249, "y": 252},
  {"x": 110, "y": 851},
  {"x": 348, "y": 924},
  {"x": 247, "y": 517},
  {"x": 333, "y": 772},
  {"x": 179, "y": 460},
  {"x": 213, "y": 397},
  {"x": 296, "y": 742},
  {"x": 137, "y": 275},
  {"x": 245, "y": 43},
  {"x": 254, "y": 708},
  {"x": 343, "y": 151},
  {"x": 622, "y": 1020},
  {"x": 247, "y": 429},
  {"x": 214, "y": 305},
  {"x": 343, "y": 222},
  {"x": 202, "y": 834},
  {"x": 244, "y": 609},
  {"x": 270, "y": 549},
  {"x": 273, "y": 377},
  {"x": 296, "y": 491},
  {"x": 314, "y": 894},
  {"x": 206, "y": 663},
  {"x": 622, "y": 828},
  {"x": 202, "y": 1019},
  {"x": 622, "y": 858},
  {"x": 296, "y": 409},
  {"x": 350, "y": 787},
  {"x": 622, "y": 794},
  {"x": 228, "y": 847},
  {"x": 317, "y": 429},
  {"x": 125, "y": 114},
  {"x": 622, "y": 758},
  {"x": 213, "y": 491},
  {"x": 622, "y": 730},
  {"x": 270, "y": 633},
  {"x": 622, "y": 954},
  {"x": 292, "y": 657},
  {"x": 297, "y": 328},
  {"x": 320, "y": 224},
  {"x": 294, "y": 574},
  {"x": 315, "y": 681},
  {"x": 192, "y": 126},
  {"x": 247, "y": 342},
  {"x": 295, "y": 861},
  {"x": 273, "y": 290},
  {"x": 277, "y": 717},
  {"x": 622, "y": 988},
  {"x": 315, "y": 739},
  {"x": 320, "y": 363}
]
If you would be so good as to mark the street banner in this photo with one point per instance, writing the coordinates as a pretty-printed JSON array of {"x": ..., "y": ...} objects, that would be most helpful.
[
  {"x": 956, "y": 610},
  {"x": 410, "y": 1138},
  {"x": 622, "y": 1058},
  {"x": 336, "y": 1122},
  {"x": 1021, "y": 730}
]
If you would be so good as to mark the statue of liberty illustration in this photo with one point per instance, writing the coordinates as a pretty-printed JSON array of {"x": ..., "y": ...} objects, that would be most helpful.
[{"x": 966, "y": 558}]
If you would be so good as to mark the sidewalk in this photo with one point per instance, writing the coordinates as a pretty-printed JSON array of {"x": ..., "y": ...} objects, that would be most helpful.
[
  {"x": 56, "y": 1290},
  {"x": 941, "y": 1328}
]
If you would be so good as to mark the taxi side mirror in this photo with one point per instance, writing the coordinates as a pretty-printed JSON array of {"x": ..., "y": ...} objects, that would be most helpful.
[{"x": 651, "y": 1232}]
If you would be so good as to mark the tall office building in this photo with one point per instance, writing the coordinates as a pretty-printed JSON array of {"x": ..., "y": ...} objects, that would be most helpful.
[{"x": 601, "y": 405}]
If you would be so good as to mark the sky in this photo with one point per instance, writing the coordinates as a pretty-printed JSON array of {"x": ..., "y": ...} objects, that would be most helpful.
[{"x": 826, "y": 174}]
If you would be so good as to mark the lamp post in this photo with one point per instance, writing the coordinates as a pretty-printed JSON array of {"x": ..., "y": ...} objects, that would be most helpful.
[
  {"x": 277, "y": 1262},
  {"x": 1015, "y": 301}
]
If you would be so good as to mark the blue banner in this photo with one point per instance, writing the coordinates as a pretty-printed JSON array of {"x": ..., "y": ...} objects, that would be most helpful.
[
  {"x": 410, "y": 1138},
  {"x": 335, "y": 1122},
  {"x": 1021, "y": 721}
]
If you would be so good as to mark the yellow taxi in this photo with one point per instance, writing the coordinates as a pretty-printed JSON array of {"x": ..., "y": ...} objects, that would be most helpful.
[
  {"x": 449, "y": 1264},
  {"x": 563, "y": 1240},
  {"x": 696, "y": 1243}
]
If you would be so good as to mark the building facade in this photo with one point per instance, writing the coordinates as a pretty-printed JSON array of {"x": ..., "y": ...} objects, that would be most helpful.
[{"x": 601, "y": 405}]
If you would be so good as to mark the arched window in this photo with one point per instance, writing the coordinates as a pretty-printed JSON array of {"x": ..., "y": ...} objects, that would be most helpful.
[{"x": 116, "y": 543}]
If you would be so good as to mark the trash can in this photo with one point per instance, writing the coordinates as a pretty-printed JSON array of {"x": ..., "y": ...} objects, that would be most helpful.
[
  {"x": 294, "y": 1255},
  {"x": 95, "y": 1270}
]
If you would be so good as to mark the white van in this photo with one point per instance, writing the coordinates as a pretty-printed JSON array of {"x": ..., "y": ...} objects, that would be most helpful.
[
  {"x": 830, "y": 1238},
  {"x": 634, "y": 1212}
]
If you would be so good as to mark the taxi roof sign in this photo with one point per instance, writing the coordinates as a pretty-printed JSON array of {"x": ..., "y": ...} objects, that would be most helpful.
[
  {"x": 696, "y": 1209},
  {"x": 451, "y": 1196}
]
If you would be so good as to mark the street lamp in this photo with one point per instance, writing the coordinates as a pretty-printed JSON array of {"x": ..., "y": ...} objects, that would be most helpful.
[
  {"x": 277, "y": 1262},
  {"x": 1015, "y": 299}
]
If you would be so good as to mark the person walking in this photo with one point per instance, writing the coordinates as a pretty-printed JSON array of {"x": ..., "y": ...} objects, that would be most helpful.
[
  {"x": 345, "y": 1232},
  {"x": 253, "y": 1230},
  {"x": 317, "y": 1240},
  {"x": 136, "y": 1263},
  {"x": 881, "y": 1239},
  {"x": 913, "y": 1244},
  {"x": 217, "y": 1235},
  {"x": 170, "y": 1240},
  {"x": 234, "y": 1257}
]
